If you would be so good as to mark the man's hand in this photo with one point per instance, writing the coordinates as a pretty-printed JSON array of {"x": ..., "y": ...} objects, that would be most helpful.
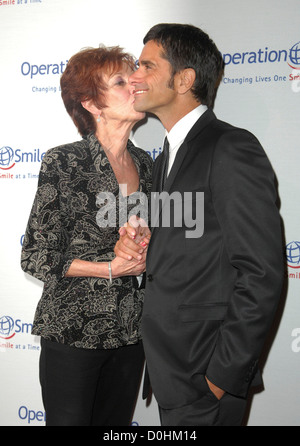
[
  {"x": 219, "y": 393},
  {"x": 134, "y": 239}
]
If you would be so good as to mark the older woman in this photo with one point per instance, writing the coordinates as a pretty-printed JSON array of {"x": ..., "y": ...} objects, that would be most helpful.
[{"x": 89, "y": 314}]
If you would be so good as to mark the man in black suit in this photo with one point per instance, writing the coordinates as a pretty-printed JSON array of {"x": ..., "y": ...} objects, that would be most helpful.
[{"x": 211, "y": 291}]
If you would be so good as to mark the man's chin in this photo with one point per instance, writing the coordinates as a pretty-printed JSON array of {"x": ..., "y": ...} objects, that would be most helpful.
[{"x": 140, "y": 107}]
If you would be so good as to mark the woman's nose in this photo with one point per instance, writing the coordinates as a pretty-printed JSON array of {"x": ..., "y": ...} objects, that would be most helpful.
[{"x": 131, "y": 88}]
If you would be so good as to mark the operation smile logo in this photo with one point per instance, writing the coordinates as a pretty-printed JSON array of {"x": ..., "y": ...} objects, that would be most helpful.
[
  {"x": 9, "y": 158},
  {"x": 292, "y": 57},
  {"x": 9, "y": 327},
  {"x": 262, "y": 57},
  {"x": 295, "y": 56},
  {"x": 38, "y": 72},
  {"x": 293, "y": 259},
  {"x": 6, "y": 158}
]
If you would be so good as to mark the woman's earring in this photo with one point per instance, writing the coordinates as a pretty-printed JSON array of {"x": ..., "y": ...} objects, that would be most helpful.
[{"x": 99, "y": 118}]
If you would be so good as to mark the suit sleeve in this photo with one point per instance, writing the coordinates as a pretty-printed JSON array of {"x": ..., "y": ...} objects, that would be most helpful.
[{"x": 244, "y": 199}]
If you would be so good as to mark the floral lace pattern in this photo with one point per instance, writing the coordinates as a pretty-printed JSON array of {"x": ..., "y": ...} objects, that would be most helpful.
[{"x": 83, "y": 312}]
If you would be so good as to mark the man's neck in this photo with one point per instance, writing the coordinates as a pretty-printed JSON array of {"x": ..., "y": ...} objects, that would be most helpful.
[{"x": 170, "y": 117}]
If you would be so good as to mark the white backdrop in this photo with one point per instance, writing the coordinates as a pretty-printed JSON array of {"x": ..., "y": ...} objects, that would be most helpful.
[{"x": 260, "y": 41}]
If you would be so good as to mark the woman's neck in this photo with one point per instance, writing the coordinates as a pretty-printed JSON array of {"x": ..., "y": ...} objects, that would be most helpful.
[
  {"x": 113, "y": 137},
  {"x": 113, "y": 140}
]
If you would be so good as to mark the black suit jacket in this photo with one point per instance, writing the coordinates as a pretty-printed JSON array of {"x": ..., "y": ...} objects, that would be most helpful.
[{"x": 210, "y": 300}]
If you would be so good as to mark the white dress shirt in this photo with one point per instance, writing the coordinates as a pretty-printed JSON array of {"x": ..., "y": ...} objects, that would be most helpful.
[{"x": 178, "y": 133}]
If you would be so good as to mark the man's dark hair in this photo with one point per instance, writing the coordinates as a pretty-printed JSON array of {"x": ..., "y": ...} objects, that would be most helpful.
[{"x": 185, "y": 46}]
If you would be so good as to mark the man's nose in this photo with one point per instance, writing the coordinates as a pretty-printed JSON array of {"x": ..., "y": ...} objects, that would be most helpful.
[{"x": 135, "y": 77}]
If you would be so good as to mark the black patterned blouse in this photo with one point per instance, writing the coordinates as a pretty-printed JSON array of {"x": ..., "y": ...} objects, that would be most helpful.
[{"x": 83, "y": 312}]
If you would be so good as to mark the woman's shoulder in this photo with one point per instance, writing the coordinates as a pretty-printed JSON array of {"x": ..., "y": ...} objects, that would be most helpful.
[
  {"x": 73, "y": 148},
  {"x": 143, "y": 156},
  {"x": 66, "y": 153}
]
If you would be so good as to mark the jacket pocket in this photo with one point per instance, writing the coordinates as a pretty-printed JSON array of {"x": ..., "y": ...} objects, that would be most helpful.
[{"x": 210, "y": 312}]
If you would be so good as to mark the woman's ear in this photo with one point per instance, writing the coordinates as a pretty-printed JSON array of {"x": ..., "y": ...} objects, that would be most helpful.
[{"x": 91, "y": 107}]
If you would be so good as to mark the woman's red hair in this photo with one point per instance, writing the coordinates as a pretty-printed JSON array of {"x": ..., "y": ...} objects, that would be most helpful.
[{"x": 83, "y": 80}]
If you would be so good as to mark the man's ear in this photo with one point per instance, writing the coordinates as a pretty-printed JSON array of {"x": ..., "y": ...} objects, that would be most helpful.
[{"x": 185, "y": 80}]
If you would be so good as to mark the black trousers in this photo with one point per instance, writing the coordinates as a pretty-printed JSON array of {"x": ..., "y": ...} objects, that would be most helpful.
[{"x": 82, "y": 387}]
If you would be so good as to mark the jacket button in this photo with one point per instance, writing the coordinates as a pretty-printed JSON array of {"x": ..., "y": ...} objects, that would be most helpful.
[{"x": 150, "y": 277}]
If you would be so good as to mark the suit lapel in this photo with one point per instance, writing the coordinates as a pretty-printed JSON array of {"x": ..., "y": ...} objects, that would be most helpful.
[
  {"x": 156, "y": 183},
  {"x": 181, "y": 154},
  {"x": 202, "y": 122}
]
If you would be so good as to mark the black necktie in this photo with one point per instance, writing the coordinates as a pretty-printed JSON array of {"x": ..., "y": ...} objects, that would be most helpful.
[{"x": 165, "y": 163}]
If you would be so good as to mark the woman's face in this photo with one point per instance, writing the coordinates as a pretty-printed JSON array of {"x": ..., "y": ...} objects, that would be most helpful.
[{"x": 119, "y": 98}]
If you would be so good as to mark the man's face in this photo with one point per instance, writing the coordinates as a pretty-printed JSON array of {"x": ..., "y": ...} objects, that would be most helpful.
[{"x": 152, "y": 82}]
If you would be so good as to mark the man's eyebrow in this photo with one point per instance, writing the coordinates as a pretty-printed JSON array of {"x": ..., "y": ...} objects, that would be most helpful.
[{"x": 146, "y": 62}]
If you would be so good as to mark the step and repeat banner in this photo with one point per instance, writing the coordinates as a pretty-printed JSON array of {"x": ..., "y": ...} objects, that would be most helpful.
[{"x": 260, "y": 91}]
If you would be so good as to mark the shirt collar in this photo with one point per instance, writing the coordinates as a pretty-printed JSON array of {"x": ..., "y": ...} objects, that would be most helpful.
[{"x": 178, "y": 133}]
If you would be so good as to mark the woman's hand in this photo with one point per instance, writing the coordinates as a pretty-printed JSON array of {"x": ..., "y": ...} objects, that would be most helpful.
[{"x": 121, "y": 267}]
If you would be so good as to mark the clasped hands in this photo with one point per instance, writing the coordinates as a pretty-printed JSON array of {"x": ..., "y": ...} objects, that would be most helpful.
[{"x": 131, "y": 248}]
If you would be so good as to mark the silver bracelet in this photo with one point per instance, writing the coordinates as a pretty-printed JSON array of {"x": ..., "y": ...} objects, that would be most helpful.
[{"x": 110, "y": 274}]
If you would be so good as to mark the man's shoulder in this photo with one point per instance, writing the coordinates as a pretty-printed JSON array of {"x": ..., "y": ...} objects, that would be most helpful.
[{"x": 211, "y": 127}]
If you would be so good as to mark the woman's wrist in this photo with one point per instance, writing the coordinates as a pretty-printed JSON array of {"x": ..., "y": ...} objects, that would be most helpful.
[{"x": 82, "y": 268}]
